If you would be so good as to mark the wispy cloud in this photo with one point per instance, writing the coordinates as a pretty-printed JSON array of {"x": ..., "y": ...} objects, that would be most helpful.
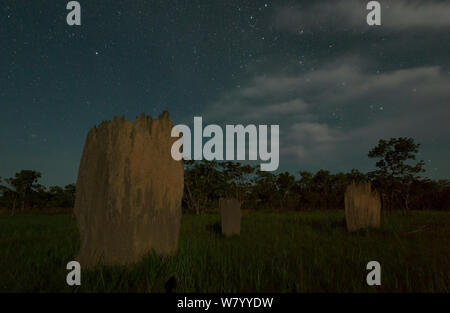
[{"x": 340, "y": 110}]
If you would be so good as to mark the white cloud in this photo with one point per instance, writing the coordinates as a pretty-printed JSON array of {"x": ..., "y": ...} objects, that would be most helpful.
[{"x": 339, "y": 110}]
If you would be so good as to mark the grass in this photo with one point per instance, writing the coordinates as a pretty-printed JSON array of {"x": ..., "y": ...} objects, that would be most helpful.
[{"x": 288, "y": 252}]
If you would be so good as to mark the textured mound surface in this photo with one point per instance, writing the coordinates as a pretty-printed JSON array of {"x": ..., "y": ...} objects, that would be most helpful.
[
  {"x": 129, "y": 191},
  {"x": 230, "y": 212},
  {"x": 362, "y": 206}
]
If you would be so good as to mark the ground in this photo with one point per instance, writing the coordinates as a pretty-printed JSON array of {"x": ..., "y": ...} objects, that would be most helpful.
[{"x": 276, "y": 252}]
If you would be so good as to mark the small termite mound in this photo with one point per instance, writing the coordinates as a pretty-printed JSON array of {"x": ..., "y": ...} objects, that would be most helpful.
[{"x": 362, "y": 206}]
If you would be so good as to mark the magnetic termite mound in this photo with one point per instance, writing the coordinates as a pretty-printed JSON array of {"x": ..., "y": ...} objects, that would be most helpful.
[
  {"x": 230, "y": 213},
  {"x": 129, "y": 191},
  {"x": 362, "y": 206}
]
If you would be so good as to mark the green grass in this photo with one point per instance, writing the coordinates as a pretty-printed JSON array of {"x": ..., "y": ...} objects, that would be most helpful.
[{"x": 289, "y": 252}]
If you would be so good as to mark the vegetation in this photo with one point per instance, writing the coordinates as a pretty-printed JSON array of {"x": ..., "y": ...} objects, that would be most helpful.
[
  {"x": 299, "y": 244},
  {"x": 398, "y": 181},
  {"x": 23, "y": 190},
  {"x": 394, "y": 174},
  {"x": 397, "y": 178},
  {"x": 276, "y": 252}
]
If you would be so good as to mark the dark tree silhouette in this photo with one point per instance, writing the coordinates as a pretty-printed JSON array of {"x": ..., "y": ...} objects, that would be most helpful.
[
  {"x": 24, "y": 183},
  {"x": 394, "y": 173},
  {"x": 397, "y": 178}
]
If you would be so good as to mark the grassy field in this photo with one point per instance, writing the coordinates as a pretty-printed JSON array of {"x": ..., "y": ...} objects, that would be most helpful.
[{"x": 289, "y": 252}]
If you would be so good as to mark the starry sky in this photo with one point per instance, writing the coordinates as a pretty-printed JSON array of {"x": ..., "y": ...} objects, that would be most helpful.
[{"x": 333, "y": 84}]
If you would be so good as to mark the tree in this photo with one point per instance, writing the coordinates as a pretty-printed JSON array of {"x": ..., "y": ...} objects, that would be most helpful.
[
  {"x": 264, "y": 189},
  {"x": 236, "y": 180},
  {"x": 202, "y": 180},
  {"x": 69, "y": 192},
  {"x": 24, "y": 183},
  {"x": 395, "y": 173},
  {"x": 356, "y": 176},
  {"x": 285, "y": 185},
  {"x": 9, "y": 196},
  {"x": 61, "y": 197}
]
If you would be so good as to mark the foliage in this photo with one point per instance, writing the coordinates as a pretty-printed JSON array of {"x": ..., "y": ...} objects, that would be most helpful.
[
  {"x": 25, "y": 190},
  {"x": 395, "y": 173},
  {"x": 397, "y": 178}
]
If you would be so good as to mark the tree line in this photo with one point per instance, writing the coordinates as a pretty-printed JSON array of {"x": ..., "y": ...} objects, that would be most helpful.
[
  {"x": 398, "y": 178},
  {"x": 24, "y": 193}
]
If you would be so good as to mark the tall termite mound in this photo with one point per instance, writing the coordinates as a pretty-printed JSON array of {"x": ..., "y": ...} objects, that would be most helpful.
[
  {"x": 129, "y": 190},
  {"x": 362, "y": 206},
  {"x": 230, "y": 212}
]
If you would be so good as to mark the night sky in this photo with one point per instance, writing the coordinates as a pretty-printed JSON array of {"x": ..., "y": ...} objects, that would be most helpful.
[{"x": 334, "y": 84}]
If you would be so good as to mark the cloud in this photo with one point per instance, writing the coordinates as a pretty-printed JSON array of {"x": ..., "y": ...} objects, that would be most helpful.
[
  {"x": 339, "y": 111},
  {"x": 307, "y": 139},
  {"x": 351, "y": 14}
]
